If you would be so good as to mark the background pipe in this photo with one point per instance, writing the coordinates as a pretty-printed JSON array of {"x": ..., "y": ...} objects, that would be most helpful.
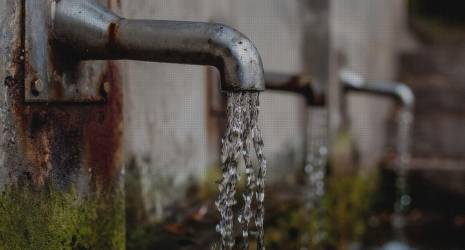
[
  {"x": 298, "y": 84},
  {"x": 87, "y": 30},
  {"x": 401, "y": 93}
]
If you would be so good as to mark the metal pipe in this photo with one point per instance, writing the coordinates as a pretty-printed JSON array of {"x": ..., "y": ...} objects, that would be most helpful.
[
  {"x": 301, "y": 85},
  {"x": 90, "y": 31},
  {"x": 401, "y": 93}
]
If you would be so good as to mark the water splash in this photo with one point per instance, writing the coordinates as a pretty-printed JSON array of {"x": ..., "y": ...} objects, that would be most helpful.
[
  {"x": 403, "y": 202},
  {"x": 241, "y": 132},
  {"x": 315, "y": 168}
]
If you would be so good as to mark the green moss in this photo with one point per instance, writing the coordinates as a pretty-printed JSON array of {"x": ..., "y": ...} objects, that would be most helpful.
[
  {"x": 342, "y": 217},
  {"x": 340, "y": 220},
  {"x": 209, "y": 185},
  {"x": 55, "y": 219}
]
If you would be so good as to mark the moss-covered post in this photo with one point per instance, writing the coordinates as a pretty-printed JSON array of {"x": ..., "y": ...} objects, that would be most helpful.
[{"x": 60, "y": 165}]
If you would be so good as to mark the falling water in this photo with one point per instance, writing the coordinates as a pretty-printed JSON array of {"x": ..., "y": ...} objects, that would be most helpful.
[
  {"x": 315, "y": 168},
  {"x": 230, "y": 151},
  {"x": 241, "y": 132},
  {"x": 317, "y": 152},
  {"x": 247, "y": 212},
  {"x": 258, "y": 146},
  {"x": 403, "y": 161}
]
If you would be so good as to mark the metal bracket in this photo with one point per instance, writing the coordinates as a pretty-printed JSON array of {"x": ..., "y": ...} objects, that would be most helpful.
[{"x": 51, "y": 73}]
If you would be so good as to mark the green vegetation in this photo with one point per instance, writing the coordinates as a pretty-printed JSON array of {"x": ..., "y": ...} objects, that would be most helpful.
[
  {"x": 345, "y": 209},
  {"x": 55, "y": 219},
  {"x": 340, "y": 220}
]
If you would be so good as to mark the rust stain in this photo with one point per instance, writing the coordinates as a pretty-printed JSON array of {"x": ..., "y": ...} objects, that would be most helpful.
[
  {"x": 111, "y": 5},
  {"x": 113, "y": 35},
  {"x": 58, "y": 140},
  {"x": 103, "y": 134}
]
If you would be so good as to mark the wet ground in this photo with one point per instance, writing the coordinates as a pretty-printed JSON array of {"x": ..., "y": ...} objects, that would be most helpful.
[{"x": 346, "y": 224}]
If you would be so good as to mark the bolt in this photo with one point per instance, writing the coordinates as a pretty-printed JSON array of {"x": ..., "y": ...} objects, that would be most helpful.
[
  {"x": 9, "y": 81},
  {"x": 37, "y": 87}
]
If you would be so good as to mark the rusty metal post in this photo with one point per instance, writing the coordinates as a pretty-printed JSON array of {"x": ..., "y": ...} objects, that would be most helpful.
[{"x": 61, "y": 167}]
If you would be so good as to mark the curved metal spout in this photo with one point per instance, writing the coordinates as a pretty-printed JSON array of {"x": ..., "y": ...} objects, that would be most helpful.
[
  {"x": 93, "y": 32},
  {"x": 301, "y": 85},
  {"x": 400, "y": 92}
]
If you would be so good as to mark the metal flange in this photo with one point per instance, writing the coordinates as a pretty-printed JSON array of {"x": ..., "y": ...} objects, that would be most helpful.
[{"x": 56, "y": 77}]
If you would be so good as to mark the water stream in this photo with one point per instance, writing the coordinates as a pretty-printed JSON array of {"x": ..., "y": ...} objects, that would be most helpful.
[
  {"x": 403, "y": 199},
  {"x": 315, "y": 168},
  {"x": 317, "y": 153},
  {"x": 242, "y": 134}
]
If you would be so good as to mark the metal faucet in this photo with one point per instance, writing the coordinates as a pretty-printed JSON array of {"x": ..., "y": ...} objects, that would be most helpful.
[
  {"x": 401, "y": 93},
  {"x": 87, "y": 30},
  {"x": 299, "y": 84}
]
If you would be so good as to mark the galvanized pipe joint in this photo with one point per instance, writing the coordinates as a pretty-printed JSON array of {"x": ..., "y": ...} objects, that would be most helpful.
[{"x": 89, "y": 31}]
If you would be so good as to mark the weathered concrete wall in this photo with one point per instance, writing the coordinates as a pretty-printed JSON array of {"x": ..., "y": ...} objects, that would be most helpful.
[{"x": 165, "y": 112}]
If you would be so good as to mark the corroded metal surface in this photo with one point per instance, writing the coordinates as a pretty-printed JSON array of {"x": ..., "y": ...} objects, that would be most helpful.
[
  {"x": 59, "y": 139},
  {"x": 61, "y": 166}
]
